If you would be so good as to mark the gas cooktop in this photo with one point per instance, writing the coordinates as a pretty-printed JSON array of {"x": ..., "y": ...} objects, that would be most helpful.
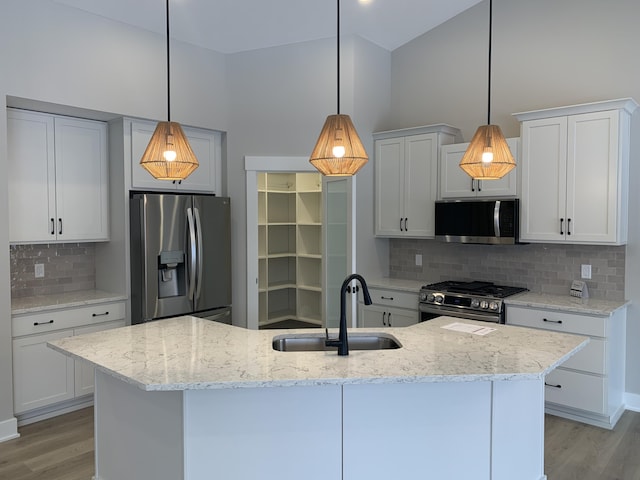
[{"x": 475, "y": 288}]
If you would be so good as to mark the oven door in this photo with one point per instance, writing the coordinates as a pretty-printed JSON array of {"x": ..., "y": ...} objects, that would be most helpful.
[{"x": 429, "y": 312}]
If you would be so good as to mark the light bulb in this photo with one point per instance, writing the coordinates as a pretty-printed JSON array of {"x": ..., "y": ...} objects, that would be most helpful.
[
  {"x": 487, "y": 156},
  {"x": 169, "y": 155},
  {"x": 338, "y": 151}
]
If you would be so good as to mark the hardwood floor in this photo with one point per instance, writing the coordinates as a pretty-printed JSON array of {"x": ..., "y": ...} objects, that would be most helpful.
[{"x": 61, "y": 448}]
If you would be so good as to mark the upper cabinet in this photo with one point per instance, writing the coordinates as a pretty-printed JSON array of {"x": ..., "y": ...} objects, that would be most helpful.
[
  {"x": 455, "y": 183},
  {"x": 406, "y": 179},
  {"x": 575, "y": 165},
  {"x": 204, "y": 143},
  {"x": 58, "y": 178}
]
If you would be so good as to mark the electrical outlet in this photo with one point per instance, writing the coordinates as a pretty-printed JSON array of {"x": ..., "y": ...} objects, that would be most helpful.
[
  {"x": 418, "y": 260},
  {"x": 585, "y": 271},
  {"x": 39, "y": 270}
]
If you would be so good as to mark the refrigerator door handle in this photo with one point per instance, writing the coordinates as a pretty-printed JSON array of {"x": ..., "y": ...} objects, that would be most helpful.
[
  {"x": 199, "y": 246},
  {"x": 192, "y": 252}
]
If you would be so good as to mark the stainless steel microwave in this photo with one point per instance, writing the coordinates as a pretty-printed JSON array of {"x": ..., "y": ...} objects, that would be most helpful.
[{"x": 478, "y": 221}]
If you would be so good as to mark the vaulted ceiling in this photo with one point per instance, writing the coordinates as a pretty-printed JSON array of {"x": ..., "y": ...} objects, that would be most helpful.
[{"x": 231, "y": 26}]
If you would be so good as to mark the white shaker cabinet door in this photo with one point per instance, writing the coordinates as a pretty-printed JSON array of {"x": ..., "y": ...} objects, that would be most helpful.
[
  {"x": 41, "y": 376},
  {"x": 31, "y": 173},
  {"x": 82, "y": 184}
]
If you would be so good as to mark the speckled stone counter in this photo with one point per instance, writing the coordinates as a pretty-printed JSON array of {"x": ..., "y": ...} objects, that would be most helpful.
[
  {"x": 63, "y": 300},
  {"x": 181, "y": 398},
  {"x": 589, "y": 306},
  {"x": 187, "y": 353}
]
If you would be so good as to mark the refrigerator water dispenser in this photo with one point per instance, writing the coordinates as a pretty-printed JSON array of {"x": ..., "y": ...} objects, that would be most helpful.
[{"x": 171, "y": 274}]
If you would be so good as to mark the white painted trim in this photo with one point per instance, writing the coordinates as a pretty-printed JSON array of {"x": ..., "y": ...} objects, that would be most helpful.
[
  {"x": 9, "y": 429},
  {"x": 627, "y": 104},
  {"x": 632, "y": 401}
]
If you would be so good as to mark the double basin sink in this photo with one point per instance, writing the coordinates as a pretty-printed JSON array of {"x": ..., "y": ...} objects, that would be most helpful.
[{"x": 303, "y": 342}]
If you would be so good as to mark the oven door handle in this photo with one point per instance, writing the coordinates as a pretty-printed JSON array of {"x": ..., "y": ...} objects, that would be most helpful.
[{"x": 462, "y": 314}]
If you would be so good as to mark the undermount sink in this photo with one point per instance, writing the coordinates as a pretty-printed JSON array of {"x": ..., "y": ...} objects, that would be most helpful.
[{"x": 302, "y": 342}]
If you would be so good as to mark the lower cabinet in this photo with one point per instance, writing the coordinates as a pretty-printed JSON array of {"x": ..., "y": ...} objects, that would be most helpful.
[
  {"x": 589, "y": 386},
  {"x": 43, "y": 377},
  {"x": 390, "y": 308}
]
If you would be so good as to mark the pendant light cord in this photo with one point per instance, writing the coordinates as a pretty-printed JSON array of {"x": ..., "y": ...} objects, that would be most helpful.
[
  {"x": 338, "y": 55},
  {"x": 168, "y": 74},
  {"x": 489, "y": 69}
]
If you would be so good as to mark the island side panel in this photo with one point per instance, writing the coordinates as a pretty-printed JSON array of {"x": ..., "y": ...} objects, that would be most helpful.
[
  {"x": 138, "y": 434},
  {"x": 517, "y": 436},
  {"x": 417, "y": 430},
  {"x": 268, "y": 433}
]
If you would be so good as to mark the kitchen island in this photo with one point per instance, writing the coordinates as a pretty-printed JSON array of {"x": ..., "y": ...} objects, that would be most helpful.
[{"x": 187, "y": 398}]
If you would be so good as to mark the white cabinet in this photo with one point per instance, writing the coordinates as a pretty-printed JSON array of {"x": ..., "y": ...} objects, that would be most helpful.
[
  {"x": 406, "y": 179},
  {"x": 390, "y": 308},
  {"x": 43, "y": 377},
  {"x": 575, "y": 165},
  {"x": 290, "y": 247},
  {"x": 58, "y": 179},
  {"x": 206, "y": 145},
  {"x": 455, "y": 183},
  {"x": 589, "y": 386}
]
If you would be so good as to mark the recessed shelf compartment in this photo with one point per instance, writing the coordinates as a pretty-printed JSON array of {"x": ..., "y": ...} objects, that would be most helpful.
[{"x": 290, "y": 247}]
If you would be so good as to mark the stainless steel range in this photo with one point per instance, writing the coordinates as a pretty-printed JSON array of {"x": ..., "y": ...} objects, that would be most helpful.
[{"x": 473, "y": 300}]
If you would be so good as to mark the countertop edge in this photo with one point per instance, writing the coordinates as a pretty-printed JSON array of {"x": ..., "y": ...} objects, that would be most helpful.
[
  {"x": 565, "y": 303},
  {"x": 81, "y": 298}
]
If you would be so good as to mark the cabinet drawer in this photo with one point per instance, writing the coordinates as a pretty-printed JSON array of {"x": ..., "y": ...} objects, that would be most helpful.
[
  {"x": 576, "y": 390},
  {"x": 66, "y": 318},
  {"x": 592, "y": 358},
  {"x": 558, "y": 321},
  {"x": 394, "y": 298}
]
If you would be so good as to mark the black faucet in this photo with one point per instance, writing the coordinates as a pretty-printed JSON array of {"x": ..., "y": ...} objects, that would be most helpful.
[{"x": 342, "y": 342}]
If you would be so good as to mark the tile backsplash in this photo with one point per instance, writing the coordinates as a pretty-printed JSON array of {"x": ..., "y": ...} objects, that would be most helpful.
[
  {"x": 68, "y": 267},
  {"x": 542, "y": 268}
]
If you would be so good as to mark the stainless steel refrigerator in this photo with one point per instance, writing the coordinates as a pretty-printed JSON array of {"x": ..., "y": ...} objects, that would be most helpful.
[{"x": 180, "y": 256}]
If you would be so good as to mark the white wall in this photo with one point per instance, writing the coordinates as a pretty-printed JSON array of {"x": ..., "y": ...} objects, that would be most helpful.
[
  {"x": 280, "y": 98},
  {"x": 55, "y": 54},
  {"x": 545, "y": 53}
]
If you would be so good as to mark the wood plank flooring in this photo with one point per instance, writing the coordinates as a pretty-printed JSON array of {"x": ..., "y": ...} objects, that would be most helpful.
[{"x": 61, "y": 448}]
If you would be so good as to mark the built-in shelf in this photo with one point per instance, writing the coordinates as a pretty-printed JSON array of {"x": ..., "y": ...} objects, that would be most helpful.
[{"x": 290, "y": 247}]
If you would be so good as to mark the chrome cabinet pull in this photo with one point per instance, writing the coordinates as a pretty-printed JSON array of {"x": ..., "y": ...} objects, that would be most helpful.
[
  {"x": 99, "y": 314},
  {"x": 568, "y": 226},
  {"x": 60, "y": 222},
  {"x": 551, "y": 321},
  {"x": 552, "y": 386},
  {"x": 561, "y": 224},
  {"x": 53, "y": 226},
  {"x": 35, "y": 324}
]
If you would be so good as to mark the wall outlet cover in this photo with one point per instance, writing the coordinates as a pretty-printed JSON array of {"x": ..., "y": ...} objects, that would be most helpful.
[
  {"x": 39, "y": 270},
  {"x": 418, "y": 260},
  {"x": 585, "y": 271}
]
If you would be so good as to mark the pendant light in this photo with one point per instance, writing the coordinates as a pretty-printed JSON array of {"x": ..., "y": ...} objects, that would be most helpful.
[
  {"x": 338, "y": 151},
  {"x": 169, "y": 155},
  {"x": 488, "y": 156}
]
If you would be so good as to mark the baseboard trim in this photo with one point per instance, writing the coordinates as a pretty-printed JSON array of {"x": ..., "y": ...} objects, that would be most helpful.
[
  {"x": 632, "y": 401},
  {"x": 9, "y": 429},
  {"x": 55, "y": 410}
]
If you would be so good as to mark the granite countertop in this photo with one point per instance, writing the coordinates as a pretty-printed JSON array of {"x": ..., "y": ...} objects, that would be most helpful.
[
  {"x": 62, "y": 300},
  {"x": 186, "y": 353},
  {"x": 589, "y": 306}
]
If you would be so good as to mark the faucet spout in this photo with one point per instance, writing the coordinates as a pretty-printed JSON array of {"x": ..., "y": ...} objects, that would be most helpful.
[{"x": 342, "y": 342}]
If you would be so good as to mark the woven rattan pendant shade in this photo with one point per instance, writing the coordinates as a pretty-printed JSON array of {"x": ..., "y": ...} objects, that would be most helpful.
[
  {"x": 488, "y": 156},
  {"x": 488, "y": 138},
  {"x": 338, "y": 131},
  {"x": 168, "y": 155},
  {"x": 169, "y": 137},
  {"x": 338, "y": 151}
]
